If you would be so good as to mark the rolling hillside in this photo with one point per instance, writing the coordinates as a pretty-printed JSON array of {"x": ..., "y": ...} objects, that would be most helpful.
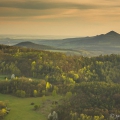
[
  {"x": 45, "y": 47},
  {"x": 34, "y": 46}
]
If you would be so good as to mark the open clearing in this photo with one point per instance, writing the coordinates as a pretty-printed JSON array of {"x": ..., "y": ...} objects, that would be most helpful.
[{"x": 21, "y": 108}]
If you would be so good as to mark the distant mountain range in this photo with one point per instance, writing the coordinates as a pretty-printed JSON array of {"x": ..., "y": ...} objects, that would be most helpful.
[
  {"x": 111, "y": 39},
  {"x": 108, "y": 43}
]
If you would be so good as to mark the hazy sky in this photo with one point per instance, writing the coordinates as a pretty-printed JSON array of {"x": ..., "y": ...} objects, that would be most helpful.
[{"x": 59, "y": 17}]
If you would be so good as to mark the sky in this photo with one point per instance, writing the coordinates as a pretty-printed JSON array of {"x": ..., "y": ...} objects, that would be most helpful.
[{"x": 59, "y": 17}]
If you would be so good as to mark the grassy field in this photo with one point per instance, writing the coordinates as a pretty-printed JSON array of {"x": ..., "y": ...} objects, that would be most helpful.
[
  {"x": 21, "y": 108},
  {"x": 2, "y": 77}
]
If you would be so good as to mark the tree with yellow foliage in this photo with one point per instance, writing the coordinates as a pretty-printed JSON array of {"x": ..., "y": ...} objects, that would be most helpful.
[
  {"x": 3, "y": 110},
  {"x": 35, "y": 92}
]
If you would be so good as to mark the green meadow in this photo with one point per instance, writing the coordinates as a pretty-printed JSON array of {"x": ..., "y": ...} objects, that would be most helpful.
[
  {"x": 21, "y": 108},
  {"x": 2, "y": 77}
]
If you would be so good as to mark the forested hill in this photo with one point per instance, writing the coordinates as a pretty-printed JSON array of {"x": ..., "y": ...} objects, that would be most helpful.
[
  {"x": 57, "y": 67},
  {"x": 32, "y": 45},
  {"x": 90, "y": 86}
]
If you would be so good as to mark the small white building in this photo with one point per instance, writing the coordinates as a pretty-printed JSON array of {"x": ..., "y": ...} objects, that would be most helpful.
[{"x": 13, "y": 76}]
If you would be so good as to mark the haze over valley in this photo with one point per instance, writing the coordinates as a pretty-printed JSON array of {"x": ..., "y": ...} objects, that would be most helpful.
[{"x": 108, "y": 43}]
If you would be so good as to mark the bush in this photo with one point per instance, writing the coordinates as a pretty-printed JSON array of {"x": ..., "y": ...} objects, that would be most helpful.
[
  {"x": 36, "y": 107},
  {"x": 20, "y": 93},
  {"x": 32, "y": 103},
  {"x": 2, "y": 105}
]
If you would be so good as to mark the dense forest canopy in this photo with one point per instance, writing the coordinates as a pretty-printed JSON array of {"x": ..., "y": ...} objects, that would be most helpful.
[
  {"x": 57, "y": 67},
  {"x": 93, "y": 84}
]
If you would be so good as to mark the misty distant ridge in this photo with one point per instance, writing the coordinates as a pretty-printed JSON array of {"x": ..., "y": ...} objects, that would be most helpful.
[
  {"x": 112, "y": 33},
  {"x": 108, "y": 43},
  {"x": 32, "y": 45},
  {"x": 48, "y": 37}
]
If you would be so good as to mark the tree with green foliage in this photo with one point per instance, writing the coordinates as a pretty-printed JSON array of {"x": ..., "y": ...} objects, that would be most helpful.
[
  {"x": 68, "y": 95},
  {"x": 54, "y": 93}
]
